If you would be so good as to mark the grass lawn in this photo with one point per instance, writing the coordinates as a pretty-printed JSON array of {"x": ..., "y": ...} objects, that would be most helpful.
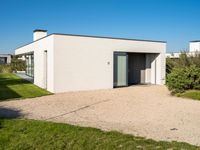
[
  {"x": 40, "y": 135},
  {"x": 193, "y": 94},
  {"x": 13, "y": 87}
]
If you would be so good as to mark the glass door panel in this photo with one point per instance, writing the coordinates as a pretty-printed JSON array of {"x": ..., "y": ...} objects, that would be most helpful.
[{"x": 120, "y": 69}]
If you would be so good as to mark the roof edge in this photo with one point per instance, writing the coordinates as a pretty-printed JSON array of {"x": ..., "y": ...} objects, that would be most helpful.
[
  {"x": 6, "y": 54},
  {"x": 195, "y": 41},
  {"x": 39, "y": 30},
  {"x": 105, "y": 37},
  {"x": 33, "y": 41}
]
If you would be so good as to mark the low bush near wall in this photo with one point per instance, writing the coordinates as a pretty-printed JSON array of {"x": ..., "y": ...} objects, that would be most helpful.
[
  {"x": 5, "y": 68},
  {"x": 184, "y": 78},
  {"x": 183, "y": 73},
  {"x": 17, "y": 64},
  {"x": 185, "y": 60}
]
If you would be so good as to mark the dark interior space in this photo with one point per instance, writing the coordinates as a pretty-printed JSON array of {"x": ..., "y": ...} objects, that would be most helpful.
[
  {"x": 129, "y": 68},
  {"x": 3, "y": 60},
  {"x": 136, "y": 68}
]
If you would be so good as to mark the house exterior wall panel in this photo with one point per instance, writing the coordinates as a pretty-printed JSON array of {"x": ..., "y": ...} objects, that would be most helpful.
[
  {"x": 87, "y": 63},
  {"x": 194, "y": 47},
  {"x": 38, "y": 49}
]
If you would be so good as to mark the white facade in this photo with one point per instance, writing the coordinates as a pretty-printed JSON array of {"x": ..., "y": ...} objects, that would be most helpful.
[
  {"x": 173, "y": 55},
  {"x": 72, "y": 63},
  {"x": 195, "y": 46},
  {"x": 38, "y": 34},
  {"x": 5, "y": 58}
]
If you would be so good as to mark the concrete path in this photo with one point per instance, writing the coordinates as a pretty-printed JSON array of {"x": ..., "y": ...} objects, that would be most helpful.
[
  {"x": 23, "y": 75},
  {"x": 147, "y": 111}
]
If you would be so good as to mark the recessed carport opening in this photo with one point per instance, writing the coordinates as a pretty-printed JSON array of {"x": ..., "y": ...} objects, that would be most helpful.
[{"x": 134, "y": 68}]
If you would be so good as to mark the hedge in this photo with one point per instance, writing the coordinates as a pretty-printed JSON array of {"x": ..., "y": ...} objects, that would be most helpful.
[{"x": 184, "y": 78}]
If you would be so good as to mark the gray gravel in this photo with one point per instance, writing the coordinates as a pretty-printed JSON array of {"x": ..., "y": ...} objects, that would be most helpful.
[{"x": 147, "y": 111}]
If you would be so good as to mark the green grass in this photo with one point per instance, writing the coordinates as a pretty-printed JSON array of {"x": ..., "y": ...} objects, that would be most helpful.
[
  {"x": 13, "y": 87},
  {"x": 40, "y": 135},
  {"x": 193, "y": 94}
]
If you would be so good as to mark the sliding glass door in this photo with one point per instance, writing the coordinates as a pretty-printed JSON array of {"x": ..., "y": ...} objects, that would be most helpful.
[
  {"x": 30, "y": 65},
  {"x": 120, "y": 69}
]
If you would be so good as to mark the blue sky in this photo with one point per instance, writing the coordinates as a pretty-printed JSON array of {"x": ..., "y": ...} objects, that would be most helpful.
[{"x": 174, "y": 21}]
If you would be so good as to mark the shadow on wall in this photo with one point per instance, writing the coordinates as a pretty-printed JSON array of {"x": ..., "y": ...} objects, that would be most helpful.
[
  {"x": 136, "y": 68},
  {"x": 10, "y": 113}
]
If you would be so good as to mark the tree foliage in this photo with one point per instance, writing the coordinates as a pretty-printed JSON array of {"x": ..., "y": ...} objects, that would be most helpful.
[
  {"x": 15, "y": 65},
  {"x": 183, "y": 73},
  {"x": 184, "y": 78}
]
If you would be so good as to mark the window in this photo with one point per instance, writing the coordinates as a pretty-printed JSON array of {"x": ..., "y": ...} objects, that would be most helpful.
[
  {"x": 30, "y": 65},
  {"x": 3, "y": 60}
]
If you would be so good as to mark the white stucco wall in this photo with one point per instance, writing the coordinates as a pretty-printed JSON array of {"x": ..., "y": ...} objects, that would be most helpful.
[
  {"x": 85, "y": 63},
  {"x": 38, "y": 48},
  {"x": 38, "y": 35},
  {"x": 194, "y": 46}
]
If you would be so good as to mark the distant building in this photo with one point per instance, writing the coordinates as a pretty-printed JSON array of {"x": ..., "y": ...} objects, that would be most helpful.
[
  {"x": 172, "y": 55},
  {"x": 194, "y": 48},
  {"x": 5, "y": 58}
]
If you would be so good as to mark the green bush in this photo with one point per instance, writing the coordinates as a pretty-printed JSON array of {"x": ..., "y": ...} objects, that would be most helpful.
[
  {"x": 185, "y": 60},
  {"x": 5, "y": 68},
  {"x": 17, "y": 64},
  {"x": 183, "y": 78},
  {"x": 196, "y": 59},
  {"x": 170, "y": 64}
]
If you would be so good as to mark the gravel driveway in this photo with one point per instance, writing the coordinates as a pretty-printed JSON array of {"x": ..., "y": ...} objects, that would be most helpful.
[{"x": 147, "y": 111}]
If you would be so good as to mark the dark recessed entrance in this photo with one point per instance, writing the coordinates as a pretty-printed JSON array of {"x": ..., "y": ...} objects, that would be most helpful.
[
  {"x": 129, "y": 68},
  {"x": 136, "y": 68}
]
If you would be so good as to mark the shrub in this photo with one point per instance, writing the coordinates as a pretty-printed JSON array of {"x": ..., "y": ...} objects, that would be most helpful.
[
  {"x": 17, "y": 64},
  {"x": 170, "y": 64},
  {"x": 5, "y": 68},
  {"x": 183, "y": 61},
  {"x": 184, "y": 78},
  {"x": 196, "y": 59}
]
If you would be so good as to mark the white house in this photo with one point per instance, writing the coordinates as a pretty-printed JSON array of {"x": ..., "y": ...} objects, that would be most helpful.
[
  {"x": 65, "y": 62},
  {"x": 5, "y": 58},
  {"x": 194, "y": 48},
  {"x": 173, "y": 55}
]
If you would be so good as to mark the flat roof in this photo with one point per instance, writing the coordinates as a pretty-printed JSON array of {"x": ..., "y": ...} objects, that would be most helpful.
[
  {"x": 6, "y": 54},
  {"x": 105, "y": 37},
  {"x": 195, "y": 41},
  {"x": 39, "y": 30},
  {"x": 89, "y": 36}
]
